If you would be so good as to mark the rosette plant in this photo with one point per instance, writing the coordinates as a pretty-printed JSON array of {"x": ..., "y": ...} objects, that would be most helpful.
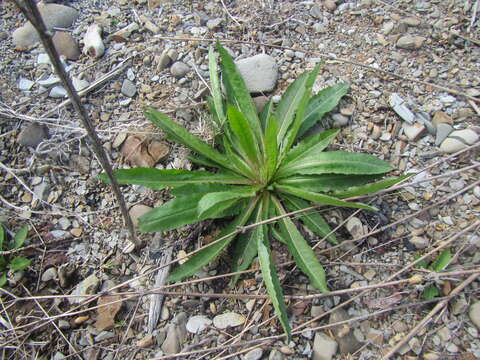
[{"x": 259, "y": 169}]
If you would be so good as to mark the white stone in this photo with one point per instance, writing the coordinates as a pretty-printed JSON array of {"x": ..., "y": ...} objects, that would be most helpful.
[
  {"x": 93, "y": 43},
  {"x": 324, "y": 347},
  {"x": 414, "y": 131},
  {"x": 467, "y": 136},
  {"x": 58, "y": 92},
  {"x": 25, "y": 84},
  {"x": 197, "y": 324},
  {"x": 260, "y": 72},
  {"x": 474, "y": 314},
  {"x": 228, "y": 319}
]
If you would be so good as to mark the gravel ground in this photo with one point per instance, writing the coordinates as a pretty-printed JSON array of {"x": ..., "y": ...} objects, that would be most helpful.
[{"x": 425, "y": 52}]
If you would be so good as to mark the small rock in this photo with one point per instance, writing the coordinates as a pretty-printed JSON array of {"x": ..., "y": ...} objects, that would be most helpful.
[
  {"x": 86, "y": 287},
  {"x": 330, "y": 5},
  {"x": 474, "y": 314},
  {"x": 411, "y": 21},
  {"x": 324, "y": 347},
  {"x": 49, "y": 81},
  {"x": 212, "y": 24},
  {"x": 93, "y": 42},
  {"x": 315, "y": 11},
  {"x": 41, "y": 192},
  {"x": 64, "y": 223},
  {"x": 441, "y": 118},
  {"x": 346, "y": 341},
  {"x": 49, "y": 274},
  {"x": 473, "y": 92},
  {"x": 25, "y": 84},
  {"x": 66, "y": 45},
  {"x": 128, "y": 88},
  {"x": 458, "y": 140},
  {"x": 388, "y": 27},
  {"x": 355, "y": 227},
  {"x": 146, "y": 342},
  {"x": 197, "y": 324},
  {"x": 415, "y": 345},
  {"x": 414, "y": 131},
  {"x": 255, "y": 354},
  {"x": 339, "y": 120},
  {"x": 33, "y": 135},
  {"x": 119, "y": 139},
  {"x": 80, "y": 163},
  {"x": 138, "y": 210},
  {"x": 108, "y": 307},
  {"x": 260, "y": 102},
  {"x": 444, "y": 334},
  {"x": 179, "y": 69},
  {"x": 399, "y": 106},
  {"x": 79, "y": 84},
  {"x": 260, "y": 72},
  {"x": 227, "y": 320},
  {"x": 63, "y": 324},
  {"x": 58, "y": 92},
  {"x": 419, "y": 242},
  {"x": 410, "y": 42},
  {"x": 171, "y": 345},
  {"x": 443, "y": 130},
  {"x": 459, "y": 306},
  {"x": 452, "y": 348},
  {"x": 275, "y": 355},
  {"x": 104, "y": 335}
]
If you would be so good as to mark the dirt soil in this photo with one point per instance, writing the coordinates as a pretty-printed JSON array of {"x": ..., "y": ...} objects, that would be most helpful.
[{"x": 427, "y": 52}]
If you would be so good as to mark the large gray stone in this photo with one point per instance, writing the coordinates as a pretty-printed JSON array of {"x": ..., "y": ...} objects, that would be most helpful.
[
  {"x": 53, "y": 15},
  {"x": 260, "y": 72},
  {"x": 324, "y": 347}
]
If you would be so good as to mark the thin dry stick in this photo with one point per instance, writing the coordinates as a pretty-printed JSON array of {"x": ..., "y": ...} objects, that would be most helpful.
[
  {"x": 30, "y": 10},
  {"x": 329, "y": 57},
  {"x": 428, "y": 318}
]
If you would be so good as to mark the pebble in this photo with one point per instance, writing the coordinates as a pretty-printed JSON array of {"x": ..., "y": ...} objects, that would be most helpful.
[
  {"x": 275, "y": 355},
  {"x": 414, "y": 131},
  {"x": 197, "y": 324},
  {"x": 229, "y": 319},
  {"x": 330, "y": 5},
  {"x": 410, "y": 42},
  {"x": 315, "y": 11},
  {"x": 146, "y": 342},
  {"x": 64, "y": 223},
  {"x": 128, "y": 88},
  {"x": 260, "y": 72},
  {"x": 104, "y": 335},
  {"x": 346, "y": 341},
  {"x": 411, "y": 21},
  {"x": 162, "y": 61},
  {"x": 66, "y": 45},
  {"x": 459, "y": 140},
  {"x": 49, "y": 274},
  {"x": 255, "y": 354},
  {"x": 212, "y": 24},
  {"x": 79, "y": 84},
  {"x": 443, "y": 130},
  {"x": 324, "y": 347},
  {"x": 171, "y": 345},
  {"x": 355, "y": 227},
  {"x": 25, "y": 84},
  {"x": 87, "y": 287},
  {"x": 138, "y": 210},
  {"x": 474, "y": 314},
  {"x": 419, "y": 242},
  {"x": 452, "y": 348},
  {"x": 53, "y": 15},
  {"x": 32, "y": 135},
  {"x": 441, "y": 118},
  {"x": 339, "y": 120},
  {"x": 399, "y": 106},
  {"x": 179, "y": 69},
  {"x": 49, "y": 81},
  {"x": 58, "y": 91},
  {"x": 415, "y": 345}
]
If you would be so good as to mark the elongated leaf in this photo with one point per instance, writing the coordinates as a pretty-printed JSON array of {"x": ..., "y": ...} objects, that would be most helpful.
[
  {"x": 271, "y": 146},
  {"x": 216, "y": 89},
  {"x": 337, "y": 162},
  {"x": 321, "y": 198},
  {"x": 239, "y": 164},
  {"x": 20, "y": 237},
  {"x": 158, "y": 179},
  {"x": 370, "y": 188},
  {"x": 327, "y": 182},
  {"x": 244, "y": 134},
  {"x": 312, "y": 145},
  {"x": 322, "y": 103},
  {"x": 243, "y": 254},
  {"x": 213, "y": 204},
  {"x": 3, "y": 280},
  {"x": 288, "y": 105},
  {"x": 182, "y": 136},
  {"x": 291, "y": 135},
  {"x": 208, "y": 254},
  {"x": 442, "y": 260},
  {"x": 175, "y": 213},
  {"x": 237, "y": 91},
  {"x": 270, "y": 277},
  {"x": 312, "y": 219},
  {"x": 266, "y": 113},
  {"x": 2, "y": 237},
  {"x": 203, "y": 161},
  {"x": 430, "y": 292},
  {"x": 19, "y": 263},
  {"x": 302, "y": 252},
  {"x": 197, "y": 189}
]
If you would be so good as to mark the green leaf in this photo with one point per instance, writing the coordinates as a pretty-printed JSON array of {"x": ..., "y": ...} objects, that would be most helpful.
[
  {"x": 302, "y": 252},
  {"x": 208, "y": 254},
  {"x": 2, "y": 237},
  {"x": 266, "y": 113},
  {"x": 212, "y": 204},
  {"x": 311, "y": 145},
  {"x": 244, "y": 134},
  {"x": 243, "y": 254},
  {"x": 182, "y": 136},
  {"x": 237, "y": 162},
  {"x": 187, "y": 190},
  {"x": 271, "y": 146},
  {"x": 370, "y": 188},
  {"x": 422, "y": 264},
  {"x": 336, "y": 162},
  {"x": 237, "y": 91},
  {"x": 327, "y": 182},
  {"x": 430, "y": 292},
  {"x": 292, "y": 133},
  {"x": 442, "y": 260},
  {"x": 158, "y": 179},
  {"x": 20, "y": 237},
  {"x": 321, "y": 198},
  {"x": 270, "y": 277},
  {"x": 216, "y": 89},
  {"x": 19, "y": 263},
  {"x": 3, "y": 280},
  {"x": 175, "y": 213},
  {"x": 325, "y": 101},
  {"x": 288, "y": 105},
  {"x": 203, "y": 161},
  {"x": 311, "y": 219}
]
